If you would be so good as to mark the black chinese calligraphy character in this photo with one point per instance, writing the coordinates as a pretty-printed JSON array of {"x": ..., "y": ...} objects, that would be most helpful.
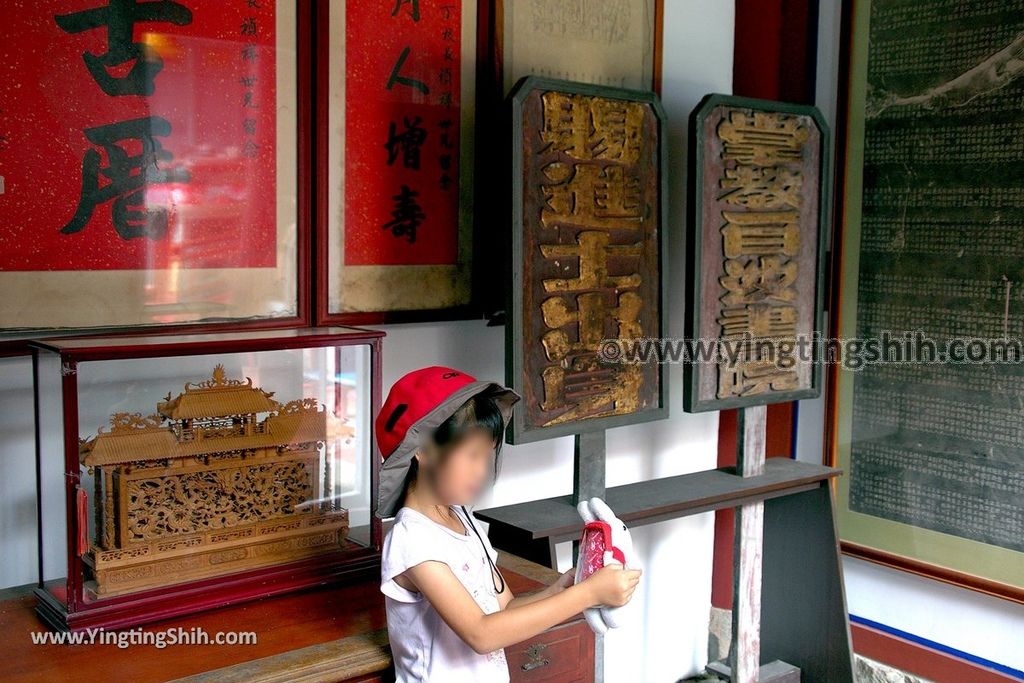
[
  {"x": 404, "y": 80},
  {"x": 250, "y": 149},
  {"x": 248, "y": 100},
  {"x": 408, "y": 142},
  {"x": 406, "y": 216},
  {"x": 445, "y": 159},
  {"x": 446, "y": 138},
  {"x": 414, "y": 8},
  {"x": 126, "y": 177},
  {"x": 250, "y": 126},
  {"x": 247, "y": 81},
  {"x": 119, "y": 17},
  {"x": 248, "y": 27},
  {"x": 252, "y": 4},
  {"x": 249, "y": 53}
]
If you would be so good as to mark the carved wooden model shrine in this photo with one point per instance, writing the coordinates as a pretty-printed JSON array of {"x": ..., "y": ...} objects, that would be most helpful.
[{"x": 205, "y": 487}]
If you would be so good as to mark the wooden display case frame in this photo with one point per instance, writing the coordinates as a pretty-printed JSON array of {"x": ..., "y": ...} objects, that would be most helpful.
[{"x": 145, "y": 606}]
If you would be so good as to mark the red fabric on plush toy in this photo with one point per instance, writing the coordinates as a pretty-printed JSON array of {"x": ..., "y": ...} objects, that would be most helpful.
[
  {"x": 597, "y": 538},
  {"x": 605, "y": 540}
]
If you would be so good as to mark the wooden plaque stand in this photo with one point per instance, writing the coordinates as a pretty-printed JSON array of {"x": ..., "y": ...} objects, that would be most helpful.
[
  {"x": 786, "y": 539},
  {"x": 588, "y": 470}
]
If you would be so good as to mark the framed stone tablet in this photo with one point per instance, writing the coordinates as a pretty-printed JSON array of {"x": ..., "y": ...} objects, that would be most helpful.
[{"x": 929, "y": 243}]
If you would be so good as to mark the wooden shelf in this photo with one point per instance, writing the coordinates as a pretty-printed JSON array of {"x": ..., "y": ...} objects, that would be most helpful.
[{"x": 531, "y": 529}]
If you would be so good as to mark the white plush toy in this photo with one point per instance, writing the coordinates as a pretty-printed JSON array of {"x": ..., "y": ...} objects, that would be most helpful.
[{"x": 605, "y": 540}]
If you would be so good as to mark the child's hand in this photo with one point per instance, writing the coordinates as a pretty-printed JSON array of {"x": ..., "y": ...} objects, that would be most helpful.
[
  {"x": 563, "y": 582},
  {"x": 612, "y": 586}
]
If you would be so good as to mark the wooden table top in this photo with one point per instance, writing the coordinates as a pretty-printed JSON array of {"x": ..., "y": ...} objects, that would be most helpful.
[{"x": 328, "y": 626}]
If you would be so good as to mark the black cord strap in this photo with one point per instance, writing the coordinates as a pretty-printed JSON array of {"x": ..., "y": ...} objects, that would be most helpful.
[{"x": 486, "y": 554}]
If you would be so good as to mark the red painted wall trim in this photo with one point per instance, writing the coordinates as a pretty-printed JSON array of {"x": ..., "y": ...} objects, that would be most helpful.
[
  {"x": 721, "y": 564},
  {"x": 919, "y": 660}
]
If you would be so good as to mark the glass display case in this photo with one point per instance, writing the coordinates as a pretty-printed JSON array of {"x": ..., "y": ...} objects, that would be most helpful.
[{"x": 180, "y": 473}]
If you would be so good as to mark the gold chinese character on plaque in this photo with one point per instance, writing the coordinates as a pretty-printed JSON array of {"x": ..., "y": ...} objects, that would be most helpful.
[
  {"x": 587, "y": 269},
  {"x": 758, "y": 204}
]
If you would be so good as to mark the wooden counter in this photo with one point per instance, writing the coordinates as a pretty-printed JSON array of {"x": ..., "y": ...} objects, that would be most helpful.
[{"x": 323, "y": 634}]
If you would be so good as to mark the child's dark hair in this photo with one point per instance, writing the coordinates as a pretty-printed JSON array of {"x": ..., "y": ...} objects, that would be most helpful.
[{"x": 479, "y": 412}]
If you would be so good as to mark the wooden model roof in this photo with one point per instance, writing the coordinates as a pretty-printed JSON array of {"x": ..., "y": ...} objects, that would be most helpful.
[
  {"x": 134, "y": 438},
  {"x": 218, "y": 397}
]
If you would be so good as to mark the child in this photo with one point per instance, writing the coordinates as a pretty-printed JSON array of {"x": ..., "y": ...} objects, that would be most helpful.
[{"x": 449, "y": 611}]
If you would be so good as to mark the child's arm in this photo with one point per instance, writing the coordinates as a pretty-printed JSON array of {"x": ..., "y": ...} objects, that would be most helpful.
[
  {"x": 509, "y": 601},
  {"x": 611, "y": 585}
]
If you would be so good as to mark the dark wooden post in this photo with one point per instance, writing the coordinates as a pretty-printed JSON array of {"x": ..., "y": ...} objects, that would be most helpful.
[
  {"x": 745, "y": 650},
  {"x": 588, "y": 471}
]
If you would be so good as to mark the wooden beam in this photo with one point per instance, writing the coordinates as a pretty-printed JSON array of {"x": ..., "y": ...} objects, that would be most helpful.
[
  {"x": 745, "y": 650},
  {"x": 588, "y": 470},
  {"x": 588, "y": 479}
]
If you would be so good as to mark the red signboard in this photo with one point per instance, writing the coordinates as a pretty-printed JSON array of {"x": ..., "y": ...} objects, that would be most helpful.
[
  {"x": 402, "y": 82},
  {"x": 138, "y": 135}
]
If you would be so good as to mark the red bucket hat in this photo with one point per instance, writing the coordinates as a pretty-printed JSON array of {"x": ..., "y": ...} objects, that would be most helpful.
[{"x": 416, "y": 405}]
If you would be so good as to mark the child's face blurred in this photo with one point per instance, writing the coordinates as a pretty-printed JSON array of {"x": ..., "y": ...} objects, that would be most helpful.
[{"x": 459, "y": 479}]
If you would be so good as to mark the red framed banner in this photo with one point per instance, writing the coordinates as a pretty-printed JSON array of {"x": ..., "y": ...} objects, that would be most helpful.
[
  {"x": 395, "y": 108},
  {"x": 151, "y": 163}
]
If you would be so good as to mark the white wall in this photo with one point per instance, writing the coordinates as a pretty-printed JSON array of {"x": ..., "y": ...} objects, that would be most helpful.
[
  {"x": 677, "y": 554},
  {"x": 968, "y": 621},
  {"x": 672, "y": 641},
  {"x": 17, "y": 474}
]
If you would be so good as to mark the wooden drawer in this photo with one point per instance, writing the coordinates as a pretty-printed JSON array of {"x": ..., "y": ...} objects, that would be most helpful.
[{"x": 564, "y": 654}]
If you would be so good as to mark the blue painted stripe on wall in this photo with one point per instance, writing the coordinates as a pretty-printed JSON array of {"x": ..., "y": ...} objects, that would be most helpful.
[{"x": 974, "y": 659}]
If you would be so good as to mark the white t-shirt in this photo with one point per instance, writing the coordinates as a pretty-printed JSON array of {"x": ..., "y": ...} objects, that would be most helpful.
[{"x": 423, "y": 646}]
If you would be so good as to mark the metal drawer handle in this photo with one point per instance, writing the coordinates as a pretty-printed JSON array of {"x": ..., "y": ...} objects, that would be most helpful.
[{"x": 534, "y": 659}]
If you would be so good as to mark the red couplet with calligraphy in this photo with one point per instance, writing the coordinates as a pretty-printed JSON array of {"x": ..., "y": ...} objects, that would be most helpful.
[
  {"x": 402, "y": 132},
  {"x": 138, "y": 135}
]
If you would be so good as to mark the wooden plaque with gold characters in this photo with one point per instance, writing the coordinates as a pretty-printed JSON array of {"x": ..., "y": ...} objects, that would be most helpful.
[
  {"x": 588, "y": 227},
  {"x": 757, "y": 212}
]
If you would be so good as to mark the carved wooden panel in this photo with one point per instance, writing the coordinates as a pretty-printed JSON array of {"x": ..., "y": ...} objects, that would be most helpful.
[
  {"x": 164, "y": 505},
  {"x": 757, "y": 211},
  {"x": 588, "y": 224}
]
